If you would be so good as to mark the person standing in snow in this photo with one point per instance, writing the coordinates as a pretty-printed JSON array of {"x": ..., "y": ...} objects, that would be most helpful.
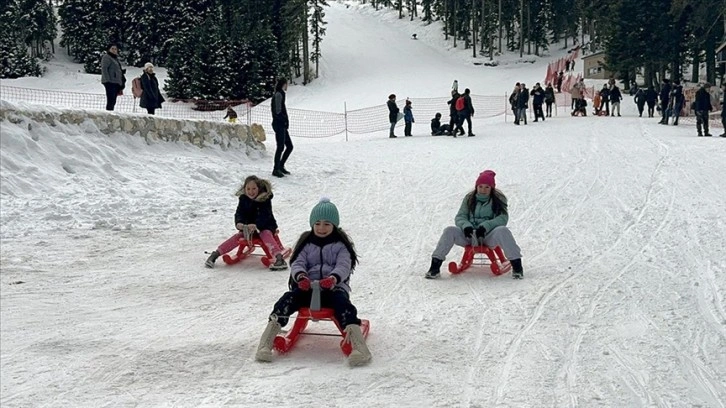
[
  {"x": 325, "y": 254},
  {"x": 549, "y": 99},
  {"x": 538, "y": 96},
  {"x": 702, "y": 106},
  {"x": 466, "y": 113},
  {"x": 112, "y": 76},
  {"x": 615, "y": 97},
  {"x": 408, "y": 118},
  {"x": 639, "y": 100},
  {"x": 651, "y": 97},
  {"x": 723, "y": 108},
  {"x": 393, "y": 112},
  {"x": 253, "y": 216},
  {"x": 482, "y": 217},
  {"x": 151, "y": 98},
  {"x": 281, "y": 124},
  {"x": 454, "y": 123}
]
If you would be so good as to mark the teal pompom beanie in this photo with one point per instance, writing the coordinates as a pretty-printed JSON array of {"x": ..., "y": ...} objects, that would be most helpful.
[{"x": 324, "y": 210}]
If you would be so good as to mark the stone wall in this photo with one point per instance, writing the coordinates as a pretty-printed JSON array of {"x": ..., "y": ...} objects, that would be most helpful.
[{"x": 152, "y": 128}]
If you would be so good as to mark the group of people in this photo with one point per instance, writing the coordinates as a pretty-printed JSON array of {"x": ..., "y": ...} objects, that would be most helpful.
[
  {"x": 519, "y": 101},
  {"x": 326, "y": 254},
  {"x": 461, "y": 109},
  {"x": 113, "y": 79},
  {"x": 607, "y": 97}
]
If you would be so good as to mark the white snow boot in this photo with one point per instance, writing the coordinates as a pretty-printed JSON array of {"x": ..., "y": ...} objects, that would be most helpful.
[
  {"x": 264, "y": 350},
  {"x": 360, "y": 354}
]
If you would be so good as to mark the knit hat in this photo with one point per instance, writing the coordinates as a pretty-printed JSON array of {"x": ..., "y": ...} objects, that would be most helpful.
[
  {"x": 486, "y": 177},
  {"x": 324, "y": 210},
  {"x": 148, "y": 65}
]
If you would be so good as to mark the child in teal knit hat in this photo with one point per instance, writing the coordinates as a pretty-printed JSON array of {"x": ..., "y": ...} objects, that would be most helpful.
[{"x": 325, "y": 254}]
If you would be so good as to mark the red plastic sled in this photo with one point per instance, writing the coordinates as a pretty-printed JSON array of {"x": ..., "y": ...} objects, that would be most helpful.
[
  {"x": 284, "y": 343},
  {"x": 495, "y": 258},
  {"x": 245, "y": 249}
]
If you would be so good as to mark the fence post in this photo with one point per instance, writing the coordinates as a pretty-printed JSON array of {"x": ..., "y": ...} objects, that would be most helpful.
[
  {"x": 345, "y": 118},
  {"x": 248, "y": 106},
  {"x": 505, "y": 107}
]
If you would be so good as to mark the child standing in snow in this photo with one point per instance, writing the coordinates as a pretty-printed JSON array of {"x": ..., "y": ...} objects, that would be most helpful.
[
  {"x": 483, "y": 215},
  {"x": 326, "y": 254},
  {"x": 254, "y": 214},
  {"x": 408, "y": 118}
]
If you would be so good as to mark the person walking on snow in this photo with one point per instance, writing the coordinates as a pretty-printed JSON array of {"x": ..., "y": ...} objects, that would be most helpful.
[
  {"x": 482, "y": 216},
  {"x": 281, "y": 124},
  {"x": 151, "y": 98},
  {"x": 325, "y": 254},
  {"x": 253, "y": 216}
]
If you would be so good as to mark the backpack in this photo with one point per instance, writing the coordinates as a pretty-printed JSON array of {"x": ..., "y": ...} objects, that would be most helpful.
[
  {"x": 136, "y": 88},
  {"x": 460, "y": 103}
]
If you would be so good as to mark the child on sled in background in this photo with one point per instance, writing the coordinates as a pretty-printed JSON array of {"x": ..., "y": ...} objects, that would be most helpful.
[
  {"x": 254, "y": 214},
  {"x": 326, "y": 254},
  {"x": 482, "y": 215}
]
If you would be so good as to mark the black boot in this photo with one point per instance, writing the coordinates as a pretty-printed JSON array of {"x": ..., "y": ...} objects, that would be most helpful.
[
  {"x": 517, "y": 270},
  {"x": 277, "y": 173},
  {"x": 435, "y": 269},
  {"x": 283, "y": 170},
  {"x": 209, "y": 263}
]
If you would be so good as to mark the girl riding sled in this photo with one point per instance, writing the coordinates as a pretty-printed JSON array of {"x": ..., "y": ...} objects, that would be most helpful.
[
  {"x": 326, "y": 254},
  {"x": 254, "y": 214},
  {"x": 482, "y": 217}
]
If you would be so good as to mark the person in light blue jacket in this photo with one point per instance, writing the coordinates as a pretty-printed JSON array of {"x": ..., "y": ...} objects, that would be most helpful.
[
  {"x": 325, "y": 254},
  {"x": 482, "y": 216}
]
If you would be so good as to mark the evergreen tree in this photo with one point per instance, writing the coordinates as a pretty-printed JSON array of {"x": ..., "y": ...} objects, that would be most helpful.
[
  {"x": 14, "y": 59},
  {"x": 38, "y": 25},
  {"x": 317, "y": 29}
]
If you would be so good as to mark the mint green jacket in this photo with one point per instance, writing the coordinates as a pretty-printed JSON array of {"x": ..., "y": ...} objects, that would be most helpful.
[{"x": 483, "y": 216}]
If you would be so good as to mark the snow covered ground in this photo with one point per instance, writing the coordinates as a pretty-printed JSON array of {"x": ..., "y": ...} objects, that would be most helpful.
[{"x": 621, "y": 222}]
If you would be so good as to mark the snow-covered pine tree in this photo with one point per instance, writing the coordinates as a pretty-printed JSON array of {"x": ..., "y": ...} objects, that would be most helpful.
[
  {"x": 14, "y": 59},
  {"x": 317, "y": 29},
  {"x": 38, "y": 25}
]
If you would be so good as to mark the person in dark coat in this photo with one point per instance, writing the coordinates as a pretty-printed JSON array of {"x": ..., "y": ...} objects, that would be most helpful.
[
  {"x": 605, "y": 99},
  {"x": 651, "y": 97},
  {"x": 467, "y": 112},
  {"x": 639, "y": 100},
  {"x": 112, "y": 76},
  {"x": 151, "y": 98},
  {"x": 454, "y": 124},
  {"x": 723, "y": 108},
  {"x": 407, "y": 118},
  {"x": 513, "y": 100},
  {"x": 702, "y": 106},
  {"x": 538, "y": 96},
  {"x": 615, "y": 97},
  {"x": 665, "y": 96},
  {"x": 549, "y": 98},
  {"x": 392, "y": 113},
  {"x": 560, "y": 77},
  {"x": 677, "y": 102},
  {"x": 522, "y": 104},
  {"x": 437, "y": 129},
  {"x": 281, "y": 124}
]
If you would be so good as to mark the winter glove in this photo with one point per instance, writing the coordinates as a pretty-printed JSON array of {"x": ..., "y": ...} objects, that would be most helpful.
[
  {"x": 481, "y": 231},
  {"x": 303, "y": 282},
  {"x": 329, "y": 282},
  {"x": 468, "y": 231}
]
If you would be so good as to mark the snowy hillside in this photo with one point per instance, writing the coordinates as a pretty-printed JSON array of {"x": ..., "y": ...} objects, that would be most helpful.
[{"x": 104, "y": 299}]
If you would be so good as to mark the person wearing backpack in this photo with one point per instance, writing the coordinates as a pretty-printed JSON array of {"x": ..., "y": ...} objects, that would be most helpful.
[
  {"x": 454, "y": 125},
  {"x": 465, "y": 110},
  {"x": 151, "y": 98}
]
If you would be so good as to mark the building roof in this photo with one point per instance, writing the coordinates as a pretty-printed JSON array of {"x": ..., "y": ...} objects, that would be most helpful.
[{"x": 595, "y": 54}]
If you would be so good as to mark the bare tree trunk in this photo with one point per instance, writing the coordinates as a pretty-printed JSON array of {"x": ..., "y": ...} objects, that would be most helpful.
[
  {"x": 499, "y": 23},
  {"x": 473, "y": 29},
  {"x": 306, "y": 51},
  {"x": 521, "y": 28},
  {"x": 710, "y": 59}
]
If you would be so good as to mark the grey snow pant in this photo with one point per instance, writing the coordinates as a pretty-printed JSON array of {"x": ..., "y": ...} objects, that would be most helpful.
[{"x": 499, "y": 236}]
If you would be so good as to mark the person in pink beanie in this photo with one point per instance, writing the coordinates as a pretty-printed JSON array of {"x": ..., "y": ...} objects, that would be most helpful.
[{"x": 482, "y": 216}]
